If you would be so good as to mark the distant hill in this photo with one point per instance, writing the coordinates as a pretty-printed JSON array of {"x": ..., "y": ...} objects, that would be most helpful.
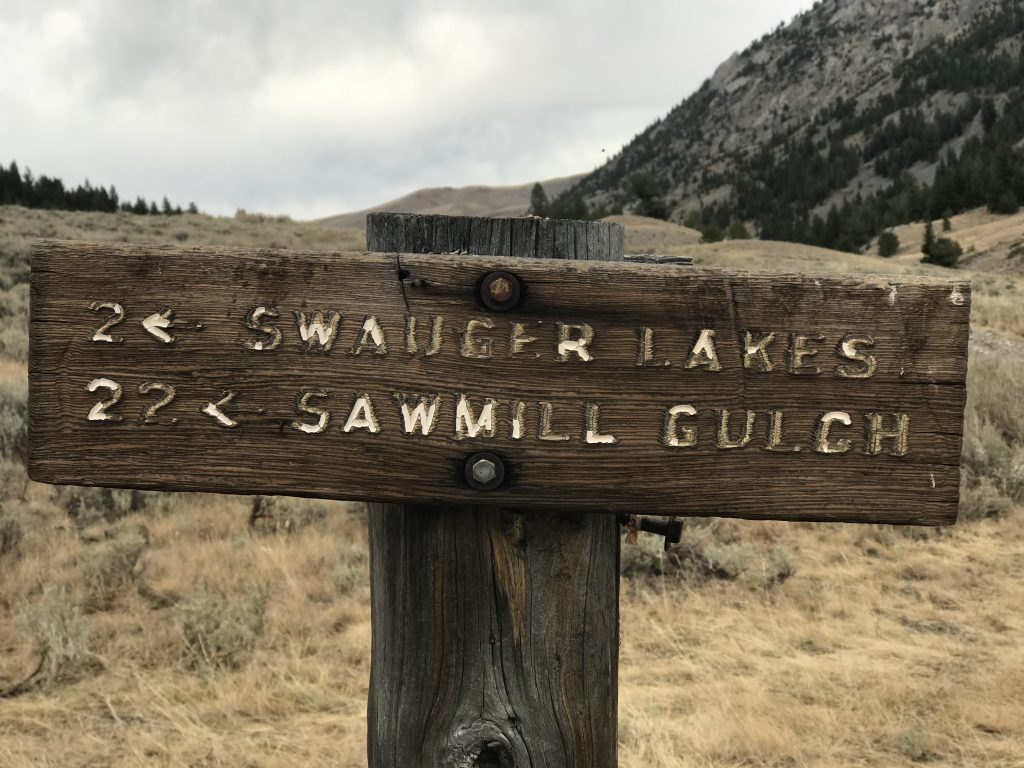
[
  {"x": 858, "y": 116},
  {"x": 458, "y": 201}
]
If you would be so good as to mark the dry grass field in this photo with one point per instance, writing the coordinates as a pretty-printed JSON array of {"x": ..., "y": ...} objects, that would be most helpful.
[{"x": 174, "y": 633}]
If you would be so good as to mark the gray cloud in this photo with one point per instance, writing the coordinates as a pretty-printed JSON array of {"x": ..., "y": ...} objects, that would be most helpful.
[{"x": 311, "y": 108}]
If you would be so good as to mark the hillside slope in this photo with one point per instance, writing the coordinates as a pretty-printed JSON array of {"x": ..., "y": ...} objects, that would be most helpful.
[
  {"x": 834, "y": 127},
  {"x": 458, "y": 201}
]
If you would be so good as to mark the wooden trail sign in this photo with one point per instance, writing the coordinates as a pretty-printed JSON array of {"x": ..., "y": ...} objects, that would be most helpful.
[{"x": 611, "y": 387}]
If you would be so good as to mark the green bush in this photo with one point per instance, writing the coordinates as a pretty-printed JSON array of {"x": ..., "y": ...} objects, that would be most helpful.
[
  {"x": 992, "y": 465},
  {"x": 108, "y": 567},
  {"x": 943, "y": 252},
  {"x": 57, "y": 625},
  {"x": 729, "y": 561},
  {"x": 90, "y": 506},
  {"x": 219, "y": 633}
]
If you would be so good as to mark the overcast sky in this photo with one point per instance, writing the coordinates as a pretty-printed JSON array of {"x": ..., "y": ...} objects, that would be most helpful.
[{"x": 322, "y": 106}]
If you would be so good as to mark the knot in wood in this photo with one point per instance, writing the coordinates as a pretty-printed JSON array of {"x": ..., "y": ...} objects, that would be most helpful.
[{"x": 482, "y": 744}]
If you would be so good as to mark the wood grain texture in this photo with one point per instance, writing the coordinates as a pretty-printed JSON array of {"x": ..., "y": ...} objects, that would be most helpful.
[
  {"x": 495, "y": 634},
  {"x": 495, "y": 638},
  {"x": 919, "y": 329}
]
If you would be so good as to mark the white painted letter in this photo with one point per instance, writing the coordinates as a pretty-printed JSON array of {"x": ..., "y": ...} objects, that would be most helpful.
[
  {"x": 304, "y": 406},
  {"x": 362, "y": 416},
  {"x": 371, "y": 333},
  {"x": 849, "y": 348},
  {"x": 316, "y": 330},
  {"x": 593, "y": 423},
  {"x": 420, "y": 417},
  {"x": 704, "y": 353},
  {"x": 821, "y": 437},
  {"x": 253, "y": 322},
  {"x": 468, "y": 425},
  {"x": 670, "y": 436},
  {"x": 579, "y": 346}
]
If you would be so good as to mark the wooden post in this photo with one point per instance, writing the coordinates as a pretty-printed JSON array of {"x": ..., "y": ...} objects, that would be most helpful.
[{"x": 495, "y": 633}]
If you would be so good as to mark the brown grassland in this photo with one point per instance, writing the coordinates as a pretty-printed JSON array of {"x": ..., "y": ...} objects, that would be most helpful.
[{"x": 171, "y": 630}]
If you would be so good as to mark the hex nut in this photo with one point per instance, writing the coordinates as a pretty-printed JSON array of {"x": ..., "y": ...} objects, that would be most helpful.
[{"x": 484, "y": 471}]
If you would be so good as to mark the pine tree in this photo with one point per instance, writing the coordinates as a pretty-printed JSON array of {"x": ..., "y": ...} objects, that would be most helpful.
[
  {"x": 929, "y": 241},
  {"x": 538, "y": 201}
]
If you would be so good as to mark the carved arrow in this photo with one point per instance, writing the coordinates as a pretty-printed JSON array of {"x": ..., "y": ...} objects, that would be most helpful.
[
  {"x": 214, "y": 410},
  {"x": 155, "y": 324}
]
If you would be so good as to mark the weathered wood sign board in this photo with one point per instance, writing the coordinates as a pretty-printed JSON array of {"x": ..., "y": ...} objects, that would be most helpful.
[{"x": 610, "y": 387}]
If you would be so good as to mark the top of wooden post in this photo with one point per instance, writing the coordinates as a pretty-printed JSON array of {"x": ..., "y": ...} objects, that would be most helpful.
[{"x": 528, "y": 237}]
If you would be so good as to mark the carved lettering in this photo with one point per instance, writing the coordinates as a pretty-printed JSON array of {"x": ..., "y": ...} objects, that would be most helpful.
[
  {"x": 254, "y": 322},
  {"x": 674, "y": 436},
  {"x": 518, "y": 419},
  {"x": 704, "y": 353},
  {"x": 419, "y": 412},
  {"x": 117, "y": 315},
  {"x": 468, "y": 424},
  {"x": 412, "y": 343},
  {"x": 370, "y": 334},
  {"x": 755, "y": 352},
  {"x": 724, "y": 439},
  {"x": 99, "y": 411},
  {"x": 863, "y": 365},
  {"x": 303, "y": 405},
  {"x": 592, "y": 419},
  {"x": 574, "y": 339},
  {"x": 878, "y": 434},
  {"x": 318, "y": 329},
  {"x": 822, "y": 443},
  {"x": 775, "y": 437},
  {"x": 518, "y": 339},
  {"x": 362, "y": 415},
  {"x": 645, "y": 349},
  {"x": 473, "y": 347},
  {"x": 800, "y": 350},
  {"x": 545, "y": 430}
]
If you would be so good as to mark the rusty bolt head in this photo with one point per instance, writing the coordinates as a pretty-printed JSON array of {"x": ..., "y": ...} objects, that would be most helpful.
[
  {"x": 500, "y": 291},
  {"x": 484, "y": 471}
]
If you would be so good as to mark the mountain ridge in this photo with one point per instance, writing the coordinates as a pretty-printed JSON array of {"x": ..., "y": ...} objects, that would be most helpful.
[
  {"x": 473, "y": 200},
  {"x": 853, "y": 104}
]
